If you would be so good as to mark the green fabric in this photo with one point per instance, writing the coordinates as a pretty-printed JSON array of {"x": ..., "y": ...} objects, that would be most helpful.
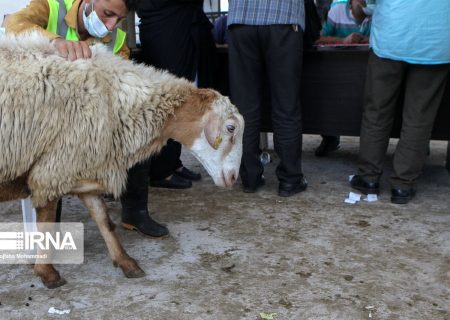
[
  {"x": 120, "y": 40},
  {"x": 71, "y": 32},
  {"x": 52, "y": 24}
]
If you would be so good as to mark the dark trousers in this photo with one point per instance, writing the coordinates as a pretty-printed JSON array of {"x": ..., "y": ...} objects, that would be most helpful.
[
  {"x": 273, "y": 53},
  {"x": 136, "y": 192},
  {"x": 160, "y": 51},
  {"x": 447, "y": 161},
  {"x": 167, "y": 161},
  {"x": 184, "y": 48},
  {"x": 423, "y": 87}
]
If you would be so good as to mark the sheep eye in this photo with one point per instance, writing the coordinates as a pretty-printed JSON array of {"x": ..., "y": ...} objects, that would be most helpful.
[{"x": 230, "y": 128}]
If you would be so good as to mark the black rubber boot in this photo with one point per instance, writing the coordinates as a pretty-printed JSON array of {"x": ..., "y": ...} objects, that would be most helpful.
[{"x": 134, "y": 201}]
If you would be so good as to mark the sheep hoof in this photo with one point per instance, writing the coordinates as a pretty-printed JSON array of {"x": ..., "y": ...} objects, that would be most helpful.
[
  {"x": 134, "y": 273},
  {"x": 49, "y": 275},
  {"x": 54, "y": 284}
]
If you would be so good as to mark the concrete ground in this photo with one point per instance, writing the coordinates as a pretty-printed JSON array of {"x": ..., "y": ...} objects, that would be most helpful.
[{"x": 234, "y": 256}]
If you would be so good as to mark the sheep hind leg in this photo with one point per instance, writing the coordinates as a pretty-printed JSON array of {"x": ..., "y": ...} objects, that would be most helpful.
[
  {"x": 97, "y": 209},
  {"x": 49, "y": 275}
]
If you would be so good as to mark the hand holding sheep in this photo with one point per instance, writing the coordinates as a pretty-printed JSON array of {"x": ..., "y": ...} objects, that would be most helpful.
[{"x": 72, "y": 50}]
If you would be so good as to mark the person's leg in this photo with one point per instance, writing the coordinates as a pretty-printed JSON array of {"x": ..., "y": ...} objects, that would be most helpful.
[
  {"x": 425, "y": 86},
  {"x": 164, "y": 165},
  {"x": 327, "y": 145},
  {"x": 383, "y": 87},
  {"x": 447, "y": 161},
  {"x": 283, "y": 48},
  {"x": 246, "y": 72},
  {"x": 135, "y": 215},
  {"x": 158, "y": 50}
]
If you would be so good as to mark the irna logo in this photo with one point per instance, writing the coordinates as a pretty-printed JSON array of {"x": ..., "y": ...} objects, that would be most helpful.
[
  {"x": 37, "y": 240},
  {"x": 48, "y": 241}
]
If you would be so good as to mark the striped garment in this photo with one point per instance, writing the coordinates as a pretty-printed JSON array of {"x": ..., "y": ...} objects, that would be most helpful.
[
  {"x": 266, "y": 12},
  {"x": 340, "y": 22}
]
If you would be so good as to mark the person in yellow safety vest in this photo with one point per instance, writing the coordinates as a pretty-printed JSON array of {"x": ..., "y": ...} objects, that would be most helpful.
[{"x": 73, "y": 25}]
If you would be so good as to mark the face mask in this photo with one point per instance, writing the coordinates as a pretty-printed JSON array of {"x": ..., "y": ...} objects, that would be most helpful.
[{"x": 94, "y": 26}]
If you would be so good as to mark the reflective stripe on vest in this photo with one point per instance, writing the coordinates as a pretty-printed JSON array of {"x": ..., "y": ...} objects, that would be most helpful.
[{"x": 57, "y": 25}]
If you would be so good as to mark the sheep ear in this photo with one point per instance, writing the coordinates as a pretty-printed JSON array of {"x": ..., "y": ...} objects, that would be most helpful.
[{"x": 212, "y": 131}]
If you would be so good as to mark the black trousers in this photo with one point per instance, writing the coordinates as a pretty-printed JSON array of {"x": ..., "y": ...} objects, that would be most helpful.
[
  {"x": 273, "y": 53},
  {"x": 186, "y": 49},
  {"x": 424, "y": 86}
]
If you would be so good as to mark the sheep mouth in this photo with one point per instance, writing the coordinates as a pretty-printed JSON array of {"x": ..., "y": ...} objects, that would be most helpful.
[
  {"x": 228, "y": 179},
  {"x": 223, "y": 179}
]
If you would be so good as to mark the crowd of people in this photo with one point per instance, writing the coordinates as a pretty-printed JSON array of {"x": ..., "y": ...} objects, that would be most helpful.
[{"x": 410, "y": 57}]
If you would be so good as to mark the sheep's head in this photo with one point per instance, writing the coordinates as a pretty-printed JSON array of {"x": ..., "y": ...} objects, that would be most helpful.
[{"x": 214, "y": 136}]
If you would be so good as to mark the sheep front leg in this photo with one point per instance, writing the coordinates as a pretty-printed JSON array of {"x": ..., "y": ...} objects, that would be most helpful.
[
  {"x": 49, "y": 275},
  {"x": 97, "y": 209}
]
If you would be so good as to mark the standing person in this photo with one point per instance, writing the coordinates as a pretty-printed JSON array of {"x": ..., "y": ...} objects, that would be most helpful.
[
  {"x": 72, "y": 25},
  {"x": 346, "y": 23},
  {"x": 410, "y": 57},
  {"x": 266, "y": 42},
  {"x": 176, "y": 35}
]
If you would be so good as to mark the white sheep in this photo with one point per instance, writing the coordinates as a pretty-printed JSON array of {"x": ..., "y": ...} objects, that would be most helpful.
[{"x": 77, "y": 127}]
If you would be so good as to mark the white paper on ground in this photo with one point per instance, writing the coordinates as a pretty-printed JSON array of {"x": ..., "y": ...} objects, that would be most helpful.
[
  {"x": 354, "y": 196},
  {"x": 347, "y": 200},
  {"x": 53, "y": 310},
  {"x": 371, "y": 198}
]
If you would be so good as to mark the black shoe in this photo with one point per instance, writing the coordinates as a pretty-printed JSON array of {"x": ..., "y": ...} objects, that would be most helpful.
[
  {"x": 188, "y": 174},
  {"x": 328, "y": 145},
  {"x": 289, "y": 189},
  {"x": 141, "y": 221},
  {"x": 134, "y": 204},
  {"x": 253, "y": 189},
  {"x": 359, "y": 184},
  {"x": 175, "y": 182},
  {"x": 402, "y": 196}
]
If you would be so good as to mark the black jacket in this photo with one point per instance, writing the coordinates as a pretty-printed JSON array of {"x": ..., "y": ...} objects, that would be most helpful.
[{"x": 176, "y": 35}]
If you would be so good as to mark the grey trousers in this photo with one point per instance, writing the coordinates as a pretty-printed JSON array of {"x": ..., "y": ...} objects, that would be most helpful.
[{"x": 423, "y": 87}]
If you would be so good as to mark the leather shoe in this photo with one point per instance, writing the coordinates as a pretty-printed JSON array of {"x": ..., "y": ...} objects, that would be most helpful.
[
  {"x": 328, "y": 145},
  {"x": 140, "y": 220},
  {"x": 248, "y": 189},
  {"x": 402, "y": 196},
  {"x": 359, "y": 184},
  {"x": 188, "y": 174},
  {"x": 289, "y": 189},
  {"x": 174, "y": 182}
]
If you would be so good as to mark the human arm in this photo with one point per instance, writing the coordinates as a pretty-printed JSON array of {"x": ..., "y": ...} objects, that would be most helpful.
[
  {"x": 351, "y": 38},
  {"x": 330, "y": 31},
  {"x": 34, "y": 17}
]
